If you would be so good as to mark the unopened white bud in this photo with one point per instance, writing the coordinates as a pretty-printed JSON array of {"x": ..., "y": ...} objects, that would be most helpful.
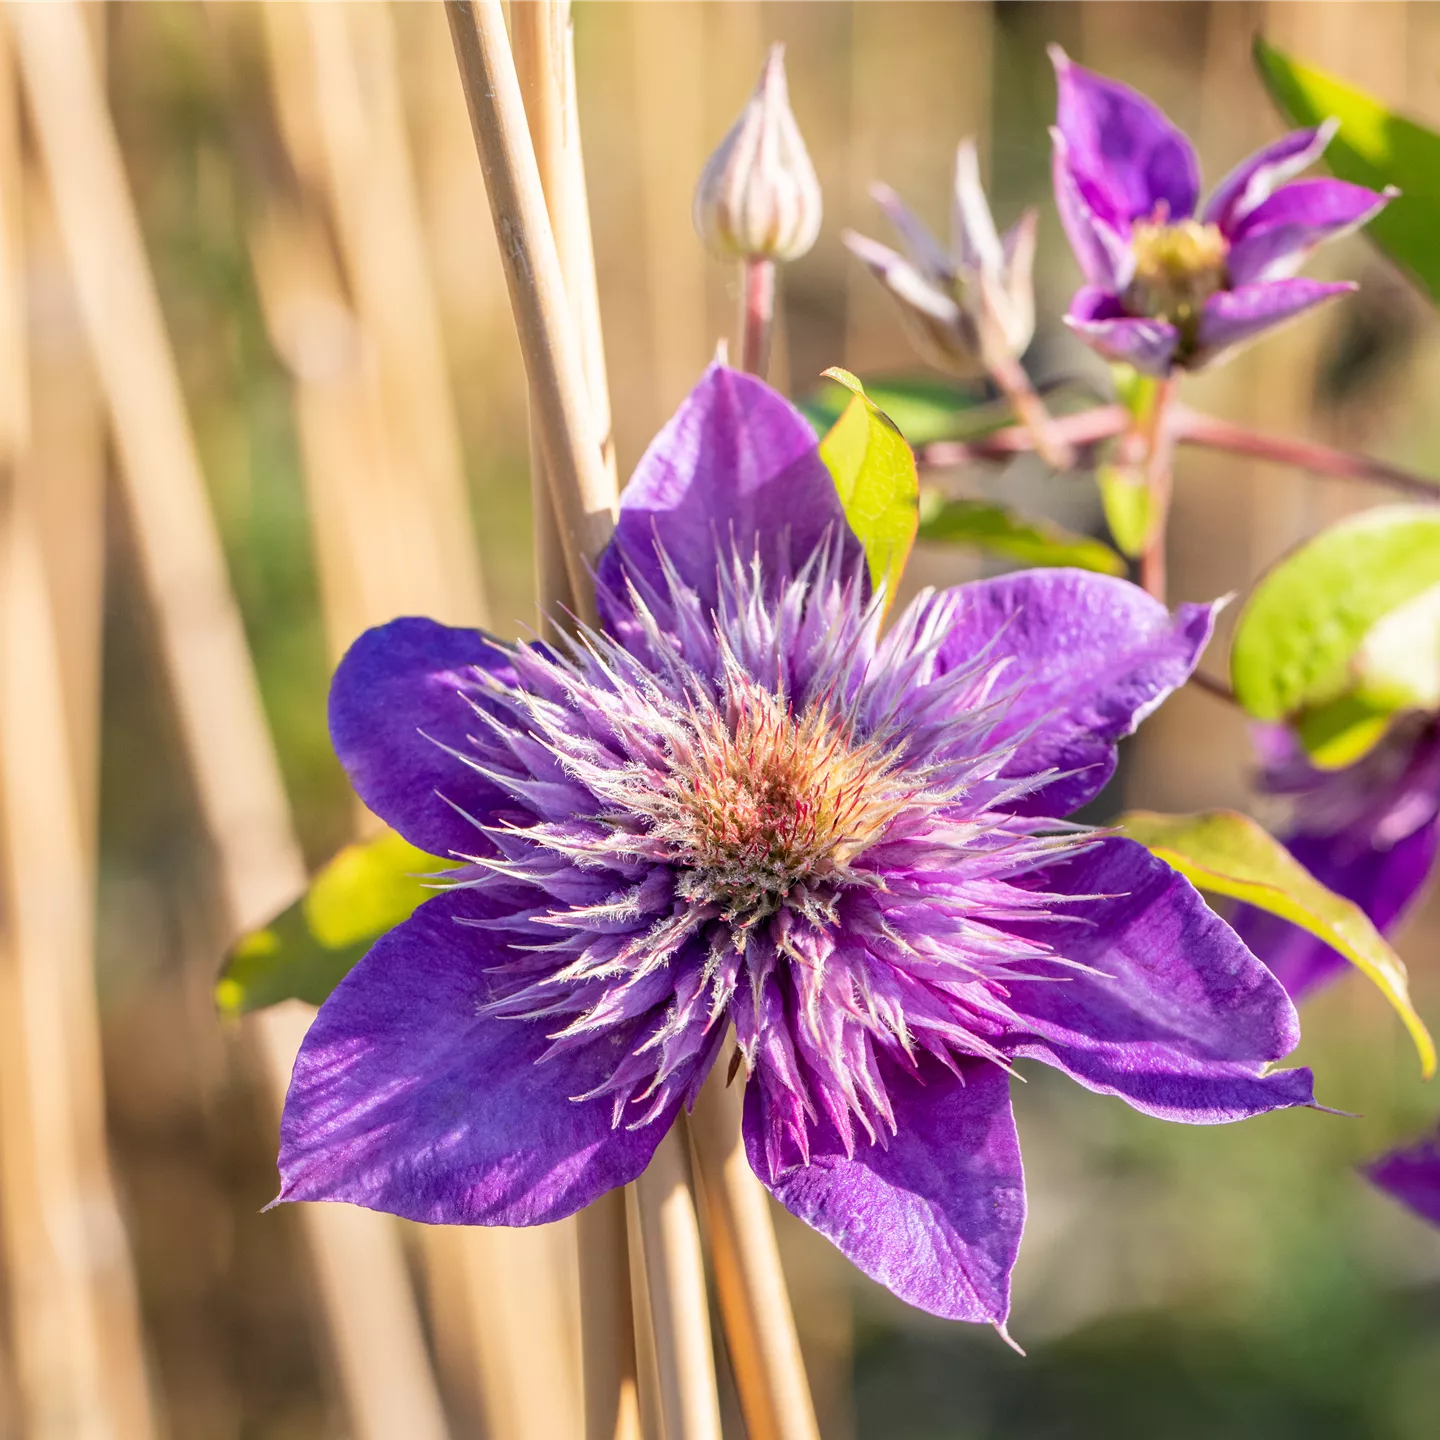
[{"x": 758, "y": 196}]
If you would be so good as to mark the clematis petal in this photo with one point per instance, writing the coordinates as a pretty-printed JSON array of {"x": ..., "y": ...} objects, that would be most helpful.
[
  {"x": 1412, "y": 1176},
  {"x": 1092, "y": 657},
  {"x": 1233, "y": 317},
  {"x": 406, "y": 1099},
  {"x": 403, "y": 692},
  {"x": 1100, "y": 320},
  {"x": 736, "y": 462},
  {"x": 1097, "y": 235},
  {"x": 1124, "y": 144},
  {"x": 1260, "y": 175},
  {"x": 1274, "y": 239},
  {"x": 1182, "y": 1020},
  {"x": 934, "y": 1212},
  {"x": 1384, "y": 883}
]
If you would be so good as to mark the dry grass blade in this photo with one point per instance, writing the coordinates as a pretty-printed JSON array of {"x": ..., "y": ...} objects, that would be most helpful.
[
  {"x": 582, "y": 488},
  {"x": 388, "y": 1386},
  {"x": 754, "y": 1302},
  {"x": 75, "y": 1313},
  {"x": 675, "y": 1279}
]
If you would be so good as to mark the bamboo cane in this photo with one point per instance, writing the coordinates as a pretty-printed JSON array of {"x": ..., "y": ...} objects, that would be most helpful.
[
  {"x": 581, "y": 486},
  {"x": 545, "y": 64},
  {"x": 375, "y": 1331},
  {"x": 754, "y": 1302}
]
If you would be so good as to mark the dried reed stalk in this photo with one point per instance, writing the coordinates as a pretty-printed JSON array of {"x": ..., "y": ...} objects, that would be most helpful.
[
  {"x": 675, "y": 1279},
  {"x": 75, "y": 1314},
  {"x": 545, "y": 65},
  {"x": 582, "y": 487},
  {"x": 754, "y": 1302},
  {"x": 373, "y": 1325},
  {"x": 581, "y": 491}
]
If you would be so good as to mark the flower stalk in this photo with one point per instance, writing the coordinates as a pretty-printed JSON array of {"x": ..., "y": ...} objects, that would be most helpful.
[{"x": 757, "y": 314}]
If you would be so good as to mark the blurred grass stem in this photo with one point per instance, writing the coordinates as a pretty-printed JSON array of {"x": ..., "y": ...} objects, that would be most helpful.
[
  {"x": 75, "y": 1319},
  {"x": 675, "y": 1276},
  {"x": 754, "y": 1302},
  {"x": 368, "y": 1304},
  {"x": 581, "y": 485}
]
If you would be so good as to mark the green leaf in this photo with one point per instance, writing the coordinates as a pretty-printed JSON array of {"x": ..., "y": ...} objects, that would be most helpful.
[
  {"x": 1136, "y": 392},
  {"x": 305, "y": 952},
  {"x": 1126, "y": 502},
  {"x": 874, "y": 471},
  {"x": 1227, "y": 853},
  {"x": 1298, "y": 641},
  {"x": 924, "y": 410},
  {"x": 1002, "y": 531},
  {"x": 1339, "y": 734},
  {"x": 1374, "y": 147}
]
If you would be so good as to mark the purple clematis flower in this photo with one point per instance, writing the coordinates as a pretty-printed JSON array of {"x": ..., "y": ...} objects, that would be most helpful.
[
  {"x": 1168, "y": 287},
  {"x": 1369, "y": 832},
  {"x": 741, "y": 808},
  {"x": 1412, "y": 1175}
]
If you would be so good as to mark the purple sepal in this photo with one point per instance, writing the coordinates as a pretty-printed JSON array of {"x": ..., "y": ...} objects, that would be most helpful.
[
  {"x": 933, "y": 1212},
  {"x": 1260, "y": 175},
  {"x": 1275, "y": 239},
  {"x": 1100, "y": 240},
  {"x": 736, "y": 464},
  {"x": 406, "y": 1098},
  {"x": 1180, "y": 1020},
  {"x": 1231, "y": 317},
  {"x": 1099, "y": 319},
  {"x": 1090, "y": 657},
  {"x": 1124, "y": 144},
  {"x": 402, "y": 700},
  {"x": 1412, "y": 1176}
]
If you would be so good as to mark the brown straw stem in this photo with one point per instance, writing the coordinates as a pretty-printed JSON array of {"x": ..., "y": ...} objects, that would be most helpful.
[
  {"x": 75, "y": 1319},
  {"x": 379, "y": 1347},
  {"x": 581, "y": 486},
  {"x": 675, "y": 1281},
  {"x": 545, "y": 67},
  {"x": 754, "y": 1301}
]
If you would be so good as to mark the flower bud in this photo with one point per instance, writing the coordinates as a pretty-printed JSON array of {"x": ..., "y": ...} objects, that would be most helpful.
[{"x": 758, "y": 196}]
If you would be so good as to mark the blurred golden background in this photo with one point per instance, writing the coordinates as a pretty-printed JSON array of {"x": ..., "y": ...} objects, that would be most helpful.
[{"x": 312, "y": 214}]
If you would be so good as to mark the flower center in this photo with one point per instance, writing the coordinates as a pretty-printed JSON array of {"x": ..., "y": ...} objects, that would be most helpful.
[
  {"x": 762, "y": 807},
  {"x": 1177, "y": 268}
]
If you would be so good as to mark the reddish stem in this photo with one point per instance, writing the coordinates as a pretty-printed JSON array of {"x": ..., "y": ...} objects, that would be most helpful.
[
  {"x": 1049, "y": 441},
  {"x": 1088, "y": 427},
  {"x": 757, "y": 314},
  {"x": 1190, "y": 427}
]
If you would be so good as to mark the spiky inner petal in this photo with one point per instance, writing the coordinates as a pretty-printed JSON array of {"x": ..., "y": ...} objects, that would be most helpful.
[
  {"x": 759, "y": 806},
  {"x": 776, "y": 821}
]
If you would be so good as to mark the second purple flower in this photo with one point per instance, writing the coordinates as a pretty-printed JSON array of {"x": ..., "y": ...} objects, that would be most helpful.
[{"x": 1171, "y": 285}]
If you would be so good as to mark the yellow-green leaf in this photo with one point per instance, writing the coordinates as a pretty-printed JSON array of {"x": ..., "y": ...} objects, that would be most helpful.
[
  {"x": 1298, "y": 640},
  {"x": 1227, "y": 853},
  {"x": 306, "y": 951},
  {"x": 1017, "y": 537},
  {"x": 1125, "y": 499},
  {"x": 874, "y": 473}
]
